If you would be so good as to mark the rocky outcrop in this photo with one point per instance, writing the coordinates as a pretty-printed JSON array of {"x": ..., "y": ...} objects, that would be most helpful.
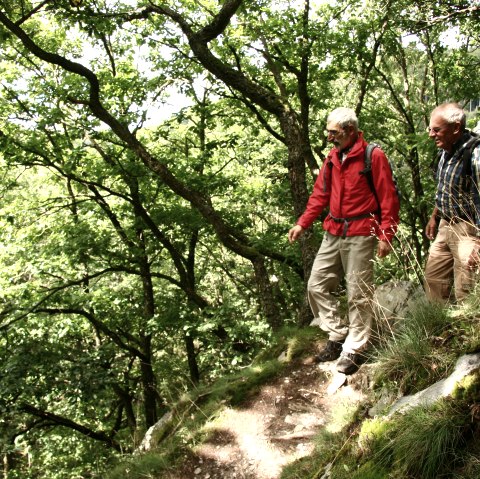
[
  {"x": 466, "y": 365},
  {"x": 393, "y": 300}
]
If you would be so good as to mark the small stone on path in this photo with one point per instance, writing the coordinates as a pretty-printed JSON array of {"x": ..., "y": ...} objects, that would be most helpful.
[{"x": 336, "y": 383}]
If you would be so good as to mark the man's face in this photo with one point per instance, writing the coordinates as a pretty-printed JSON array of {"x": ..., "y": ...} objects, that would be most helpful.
[
  {"x": 342, "y": 138},
  {"x": 444, "y": 134}
]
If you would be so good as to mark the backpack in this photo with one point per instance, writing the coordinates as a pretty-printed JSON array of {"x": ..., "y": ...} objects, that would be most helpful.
[
  {"x": 467, "y": 157},
  {"x": 471, "y": 144},
  {"x": 367, "y": 172}
]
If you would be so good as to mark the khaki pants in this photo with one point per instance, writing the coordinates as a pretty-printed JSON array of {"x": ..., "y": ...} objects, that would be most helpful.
[
  {"x": 446, "y": 262},
  {"x": 337, "y": 257}
]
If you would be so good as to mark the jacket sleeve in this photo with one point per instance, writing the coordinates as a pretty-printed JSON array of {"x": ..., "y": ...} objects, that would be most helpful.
[
  {"x": 319, "y": 198},
  {"x": 387, "y": 195}
]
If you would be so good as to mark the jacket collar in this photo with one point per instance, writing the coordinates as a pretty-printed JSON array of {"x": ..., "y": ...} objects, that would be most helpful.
[{"x": 356, "y": 150}]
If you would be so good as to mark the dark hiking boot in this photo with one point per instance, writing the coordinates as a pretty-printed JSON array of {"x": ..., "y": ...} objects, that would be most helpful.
[
  {"x": 330, "y": 352},
  {"x": 349, "y": 363}
]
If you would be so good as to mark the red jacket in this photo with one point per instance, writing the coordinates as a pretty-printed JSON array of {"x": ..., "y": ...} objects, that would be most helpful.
[{"x": 342, "y": 187}]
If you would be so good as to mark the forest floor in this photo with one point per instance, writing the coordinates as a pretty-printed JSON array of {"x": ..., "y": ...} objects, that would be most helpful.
[{"x": 276, "y": 426}]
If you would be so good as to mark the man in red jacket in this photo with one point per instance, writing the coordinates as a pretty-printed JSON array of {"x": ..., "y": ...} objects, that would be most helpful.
[{"x": 359, "y": 218}]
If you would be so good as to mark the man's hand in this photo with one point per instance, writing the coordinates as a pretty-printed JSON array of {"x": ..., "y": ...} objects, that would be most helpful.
[
  {"x": 295, "y": 233},
  {"x": 473, "y": 261},
  {"x": 431, "y": 228},
  {"x": 383, "y": 249}
]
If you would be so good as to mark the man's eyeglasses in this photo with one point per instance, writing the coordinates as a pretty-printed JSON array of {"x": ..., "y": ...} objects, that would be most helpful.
[
  {"x": 333, "y": 132},
  {"x": 436, "y": 129}
]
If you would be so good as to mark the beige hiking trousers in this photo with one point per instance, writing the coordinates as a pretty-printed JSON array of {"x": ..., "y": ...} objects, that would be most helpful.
[
  {"x": 352, "y": 258},
  {"x": 446, "y": 264}
]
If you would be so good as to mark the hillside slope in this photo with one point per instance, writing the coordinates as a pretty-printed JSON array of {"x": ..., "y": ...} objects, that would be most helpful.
[{"x": 272, "y": 429}]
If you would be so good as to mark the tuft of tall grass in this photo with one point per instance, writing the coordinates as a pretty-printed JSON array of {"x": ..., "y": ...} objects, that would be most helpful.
[
  {"x": 469, "y": 321},
  {"x": 411, "y": 359},
  {"x": 426, "y": 442},
  {"x": 146, "y": 466}
]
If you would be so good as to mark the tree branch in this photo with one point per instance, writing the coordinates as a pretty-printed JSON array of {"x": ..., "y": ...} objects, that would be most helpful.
[
  {"x": 65, "y": 422},
  {"x": 101, "y": 327}
]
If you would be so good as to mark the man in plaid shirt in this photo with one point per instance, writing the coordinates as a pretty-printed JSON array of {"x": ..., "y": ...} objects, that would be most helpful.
[{"x": 455, "y": 222}]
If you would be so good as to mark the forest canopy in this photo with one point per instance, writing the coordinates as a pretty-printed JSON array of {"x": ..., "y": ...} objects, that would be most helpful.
[{"x": 153, "y": 156}]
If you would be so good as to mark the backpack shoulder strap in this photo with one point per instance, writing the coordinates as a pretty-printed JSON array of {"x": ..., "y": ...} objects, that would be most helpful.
[
  {"x": 467, "y": 154},
  {"x": 368, "y": 155},
  {"x": 367, "y": 170},
  {"x": 329, "y": 164}
]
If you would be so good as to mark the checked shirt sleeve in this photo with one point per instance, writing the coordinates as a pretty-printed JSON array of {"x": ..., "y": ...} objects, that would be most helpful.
[{"x": 476, "y": 184}]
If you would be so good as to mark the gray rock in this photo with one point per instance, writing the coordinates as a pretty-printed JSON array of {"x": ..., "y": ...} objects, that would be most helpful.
[
  {"x": 150, "y": 440},
  {"x": 394, "y": 298},
  {"x": 392, "y": 301},
  {"x": 466, "y": 365}
]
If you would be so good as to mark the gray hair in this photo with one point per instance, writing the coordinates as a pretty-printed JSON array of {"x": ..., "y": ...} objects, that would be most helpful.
[
  {"x": 451, "y": 113},
  {"x": 343, "y": 117}
]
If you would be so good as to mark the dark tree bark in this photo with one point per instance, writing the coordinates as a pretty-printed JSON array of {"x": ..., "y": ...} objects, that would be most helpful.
[
  {"x": 295, "y": 138},
  {"x": 192, "y": 359},
  {"x": 150, "y": 394},
  {"x": 62, "y": 421}
]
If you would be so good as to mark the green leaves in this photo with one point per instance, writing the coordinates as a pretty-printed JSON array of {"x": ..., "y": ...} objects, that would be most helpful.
[{"x": 127, "y": 249}]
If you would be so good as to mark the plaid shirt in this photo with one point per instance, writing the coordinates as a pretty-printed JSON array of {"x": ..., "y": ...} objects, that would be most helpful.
[{"x": 458, "y": 195}]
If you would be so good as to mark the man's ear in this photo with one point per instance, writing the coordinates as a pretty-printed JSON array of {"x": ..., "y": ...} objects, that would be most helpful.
[{"x": 457, "y": 128}]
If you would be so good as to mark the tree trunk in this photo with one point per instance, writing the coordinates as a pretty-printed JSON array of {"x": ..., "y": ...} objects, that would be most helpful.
[
  {"x": 147, "y": 375},
  {"x": 298, "y": 152},
  {"x": 148, "y": 384},
  {"x": 267, "y": 298},
  {"x": 192, "y": 360}
]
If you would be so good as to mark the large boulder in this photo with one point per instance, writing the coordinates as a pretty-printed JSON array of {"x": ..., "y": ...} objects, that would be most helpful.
[
  {"x": 396, "y": 297},
  {"x": 466, "y": 365},
  {"x": 392, "y": 301}
]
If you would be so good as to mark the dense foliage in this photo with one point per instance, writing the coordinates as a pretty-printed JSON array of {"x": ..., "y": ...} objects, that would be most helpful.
[{"x": 153, "y": 157}]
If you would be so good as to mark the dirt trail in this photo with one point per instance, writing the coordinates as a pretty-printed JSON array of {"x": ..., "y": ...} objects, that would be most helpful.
[{"x": 275, "y": 428}]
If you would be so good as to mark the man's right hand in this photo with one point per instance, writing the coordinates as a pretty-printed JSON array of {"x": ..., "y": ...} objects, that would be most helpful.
[
  {"x": 295, "y": 233},
  {"x": 431, "y": 228}
]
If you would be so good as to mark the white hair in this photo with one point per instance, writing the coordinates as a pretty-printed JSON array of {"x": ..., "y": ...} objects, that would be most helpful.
[
  {"x": 451, "y": 113},
  {"x": 343, "y": 117}
]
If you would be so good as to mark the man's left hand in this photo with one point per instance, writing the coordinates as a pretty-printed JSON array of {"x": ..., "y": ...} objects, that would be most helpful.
[
  {"x": 383, "y": 249},
  {"x": 473, "y": 261}
]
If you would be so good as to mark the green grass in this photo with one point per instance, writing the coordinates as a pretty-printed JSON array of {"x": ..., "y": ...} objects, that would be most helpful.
[
  {"x": 145, "y": 466},
  {"x": 425, "y": 442},
  {"x": 204, "y": 403},
  {"x": 414, "y": 357}
]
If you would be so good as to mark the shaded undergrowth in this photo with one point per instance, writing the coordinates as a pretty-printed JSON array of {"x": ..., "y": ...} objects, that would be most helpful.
[{"x": 439, "y": 441}]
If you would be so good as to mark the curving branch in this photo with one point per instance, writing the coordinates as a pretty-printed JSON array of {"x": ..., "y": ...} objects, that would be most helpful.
[
  {"x": 474, "y": 10},
  {"x": 232, "y": 238},
  {"x": 232, "y": 77},
  {"x": 57, "y": 420},
  {"x": 100, "y": 326}
]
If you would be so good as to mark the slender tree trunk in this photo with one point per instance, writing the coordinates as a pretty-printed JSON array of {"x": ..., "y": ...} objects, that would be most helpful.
[
  {"x": 147, "y": 374},
  {"x": 148, "y": 383},
  {"x": 264, "y": 286},
  {"x": 298, "y": 151},
  {"x": 192, "y": 360}
]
